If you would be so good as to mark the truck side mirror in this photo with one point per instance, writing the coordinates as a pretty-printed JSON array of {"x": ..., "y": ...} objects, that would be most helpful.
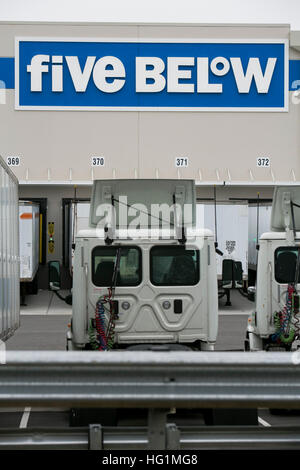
[
  {"x": 251, "y": 293},
  {"x": 54, "y": 275}
]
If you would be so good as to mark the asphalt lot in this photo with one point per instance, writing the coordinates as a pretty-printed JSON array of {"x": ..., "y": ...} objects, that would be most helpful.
[{"x": 48, "y": 332}]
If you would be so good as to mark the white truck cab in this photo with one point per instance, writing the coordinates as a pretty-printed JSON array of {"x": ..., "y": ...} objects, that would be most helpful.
[
  {"x": 275, "y": 321},
  {"x": 144, "y": 277}
]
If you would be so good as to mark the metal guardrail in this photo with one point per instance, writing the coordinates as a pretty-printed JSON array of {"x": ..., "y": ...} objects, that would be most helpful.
[
  {"x": 157, "y": 381},
  {"x": 150, "y": 379},
  {"x": 97, "y": 437}
]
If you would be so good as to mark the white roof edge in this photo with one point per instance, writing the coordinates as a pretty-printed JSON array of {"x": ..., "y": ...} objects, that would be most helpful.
[
  {"x": 253, "y": 184},
  {"x": 55, "y": 183},
  {"x": 145, "y": 23}
]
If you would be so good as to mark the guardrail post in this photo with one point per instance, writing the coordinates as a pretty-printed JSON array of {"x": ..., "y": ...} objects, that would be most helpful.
[
  {"x": 95, "y": 437},
  {"x": 162, "y": 435},
  {"x": 172, "y": 437},
  {"x": 157, "y": 420}
]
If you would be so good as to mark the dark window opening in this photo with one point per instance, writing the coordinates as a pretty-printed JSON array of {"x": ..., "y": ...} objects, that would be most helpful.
[
  {"x": 285, "y": 264},
  {"x": 103, "y": 264},
  {"x": 174, "y": 266}
]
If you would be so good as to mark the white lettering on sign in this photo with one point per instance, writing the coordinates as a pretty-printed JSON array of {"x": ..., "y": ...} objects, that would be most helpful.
[
  {"x": 158, "y": 81},
  {"x": 175, "y": 73},
  {"x": 263, "y": 162},
  {"x": 203, "y": 85},
  {"x": 57, "y": 73},
  {"x": 244, "y": 80},
  {"x": 13, "y": 161},
  {"x": 36, "y": 69},
  {"x": 220, "y": 71},
  {"x": 109, "y": 75},
  {"x": 80, "y": 77},
  {"x": 101, "y": 73}
]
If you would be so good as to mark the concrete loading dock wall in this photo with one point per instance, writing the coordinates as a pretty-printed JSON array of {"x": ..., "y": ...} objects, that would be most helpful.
[{"x": 55, "y": 194}]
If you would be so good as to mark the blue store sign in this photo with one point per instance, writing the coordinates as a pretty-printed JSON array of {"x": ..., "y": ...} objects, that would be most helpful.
[{"x": 146, "y": 75}]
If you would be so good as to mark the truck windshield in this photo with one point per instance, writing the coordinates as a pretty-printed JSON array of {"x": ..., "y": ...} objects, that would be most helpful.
[
  {"x": 285, "y": 264},
  {"x": 174, "y": 266},
  {"x": 103, "y": 263}
]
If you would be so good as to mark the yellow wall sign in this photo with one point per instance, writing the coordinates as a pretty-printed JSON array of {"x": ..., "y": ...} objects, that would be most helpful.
[
  {"x": 50, "y": 228},
  {"x": 51, "y": 246},
  {"x": 51, "y": 233}
]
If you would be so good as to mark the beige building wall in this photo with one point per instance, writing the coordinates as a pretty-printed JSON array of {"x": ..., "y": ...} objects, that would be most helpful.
[{"x": 57, "y": 146}]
